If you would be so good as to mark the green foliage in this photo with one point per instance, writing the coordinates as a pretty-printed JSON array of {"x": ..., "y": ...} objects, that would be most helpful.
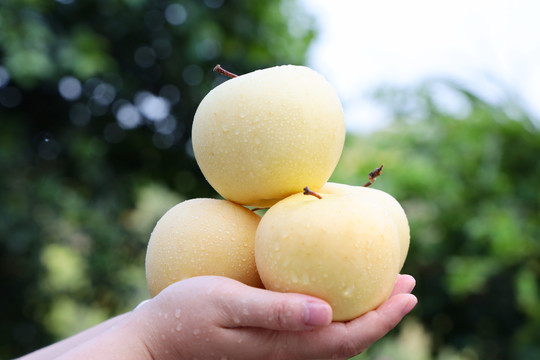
[
  {"x": 96, "y": 104},
  {"x": 468, "y": 181}
]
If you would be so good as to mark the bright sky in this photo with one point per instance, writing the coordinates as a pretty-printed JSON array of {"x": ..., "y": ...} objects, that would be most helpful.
[{"x": 365, "y": 44}]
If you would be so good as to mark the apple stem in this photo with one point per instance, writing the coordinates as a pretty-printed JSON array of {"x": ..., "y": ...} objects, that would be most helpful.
[
  {"x": 307, "y": 191},
  {"x": 222, "y": 71},
  {"x": 373, "y": 175}
]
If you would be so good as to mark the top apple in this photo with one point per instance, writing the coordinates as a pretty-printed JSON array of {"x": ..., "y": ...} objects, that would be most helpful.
[{"x": 265, "y": 135}]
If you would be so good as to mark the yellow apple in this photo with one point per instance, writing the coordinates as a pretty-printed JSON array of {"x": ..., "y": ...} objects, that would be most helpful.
[
  {"x": 202, "y": 237},
  {"x": 343, "y": 248},
  {"x": 262, "y": 136},
  {"x": 388, "y": 202}
]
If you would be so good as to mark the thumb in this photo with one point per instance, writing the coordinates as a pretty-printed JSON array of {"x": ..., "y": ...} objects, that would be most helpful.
[{"x": 253, "y": 307}]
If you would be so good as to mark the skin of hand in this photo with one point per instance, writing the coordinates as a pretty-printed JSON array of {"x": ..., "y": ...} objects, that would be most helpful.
[
  {"x": 55, "y": 350},
  {"x": 212, "y": 317},
  {"x": 219, "y": 318}
]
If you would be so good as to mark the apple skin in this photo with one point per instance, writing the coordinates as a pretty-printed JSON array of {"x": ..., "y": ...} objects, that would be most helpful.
[
  {"x": 343, "y": 248},
  {"x": 265, "y": 135},
  {"x": 388, "y": 202},
  {"x": 202, "y": 237}
]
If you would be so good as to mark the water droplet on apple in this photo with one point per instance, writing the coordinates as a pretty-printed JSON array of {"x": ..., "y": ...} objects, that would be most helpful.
[
  {"x": 286, "y": 262},
  {"x": 348, "y": 291}
]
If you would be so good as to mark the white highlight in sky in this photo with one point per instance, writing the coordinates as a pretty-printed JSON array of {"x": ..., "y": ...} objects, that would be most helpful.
[{"x": 486, "y": 45}]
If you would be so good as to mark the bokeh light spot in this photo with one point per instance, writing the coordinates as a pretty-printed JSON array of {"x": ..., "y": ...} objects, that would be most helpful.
[
  {"x": 145, "y": 56},
  {"x": 166, "y": 126},
  {"x": 152, "y": 107},
  {"x": 128, "y": 116},
  {"x": 208, "y": 49},
  {"x": 4, "y": 76},
  {"x": 104, "y": 94},
  {"x": 176, "y": 14},
  {"x": 70, "y": 88},
  {"x": 213, "y": 4}
]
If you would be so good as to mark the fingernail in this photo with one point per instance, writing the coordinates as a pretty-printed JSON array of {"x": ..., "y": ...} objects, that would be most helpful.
[
  {"x": 410, "y": 305},
  {"x": 317, "y": 313}
]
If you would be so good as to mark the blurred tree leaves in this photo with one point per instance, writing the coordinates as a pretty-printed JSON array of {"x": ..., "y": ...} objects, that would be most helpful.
[
  {"x": 96, "y": 104},
  {"x": 468, "y": 178}
]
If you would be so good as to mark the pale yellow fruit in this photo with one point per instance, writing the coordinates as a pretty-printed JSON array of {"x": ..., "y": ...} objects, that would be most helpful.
[
  {"x": 202, "y": 237},
  {"x": 388, "y": 202},
  {"x": 342, "y": 248},
  {"x": 265, "y": 135}
]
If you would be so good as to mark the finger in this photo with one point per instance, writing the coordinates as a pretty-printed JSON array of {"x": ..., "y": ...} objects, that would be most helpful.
[
  {"x": 404, "y": 284},
  {"x": 372, "y": 326},
  {"x": 345, "y": 340},
  {"x": 245, "y": 306}
]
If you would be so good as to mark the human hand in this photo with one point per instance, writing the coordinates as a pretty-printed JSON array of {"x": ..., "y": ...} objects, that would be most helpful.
[{"x": 214, "y": 317}]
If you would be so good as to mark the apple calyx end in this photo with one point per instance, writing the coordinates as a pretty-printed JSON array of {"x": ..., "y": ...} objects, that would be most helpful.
[
  {"x": 307, "y": 191},
  {"x": 372, "y": 176},
  {"x": 222, "y": 71}
]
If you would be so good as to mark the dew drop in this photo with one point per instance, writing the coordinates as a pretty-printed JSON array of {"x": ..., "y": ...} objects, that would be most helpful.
[
  {"x": 348, "y": 291},
  {"x": 177, "y": 313},
  {"x": 196, "y": 332},
  {"x": 236, "y": 320}
]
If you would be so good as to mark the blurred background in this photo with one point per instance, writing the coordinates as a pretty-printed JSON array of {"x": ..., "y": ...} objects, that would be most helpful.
[{"x": 96, "y": 104}]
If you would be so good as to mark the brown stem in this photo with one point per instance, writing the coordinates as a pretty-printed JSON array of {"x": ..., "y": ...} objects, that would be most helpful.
[
  {"x": 307, "y": 191},
  {"x": 221, "y": 70},
  {"x": 373, "y": 175}
]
